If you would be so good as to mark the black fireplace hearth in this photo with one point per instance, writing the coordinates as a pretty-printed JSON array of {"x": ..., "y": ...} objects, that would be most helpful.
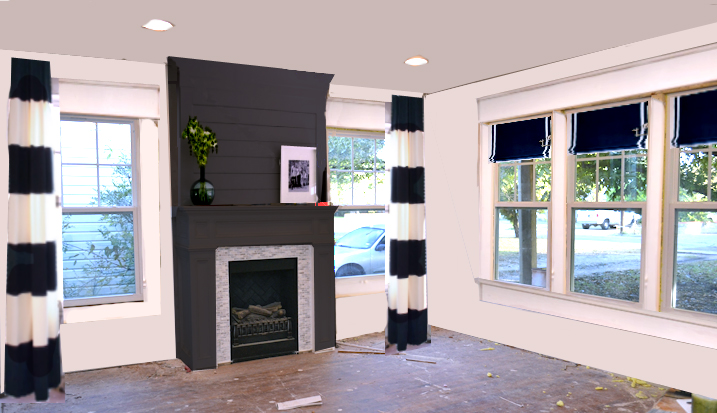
[{"x": 263, "y": 297}]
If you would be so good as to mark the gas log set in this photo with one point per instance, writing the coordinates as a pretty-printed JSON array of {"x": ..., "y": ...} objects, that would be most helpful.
[{"x": 260, "y": 322}]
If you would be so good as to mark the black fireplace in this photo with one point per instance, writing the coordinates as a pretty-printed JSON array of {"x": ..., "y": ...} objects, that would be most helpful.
[{"x": 264, "y": 308}]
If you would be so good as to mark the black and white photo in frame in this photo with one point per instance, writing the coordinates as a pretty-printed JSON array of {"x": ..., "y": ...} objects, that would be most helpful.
[{"x": 298, "y": 175}]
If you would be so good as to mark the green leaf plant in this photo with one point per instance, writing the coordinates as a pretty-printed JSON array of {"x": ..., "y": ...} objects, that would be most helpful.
[{"x": 201, "y": 140}]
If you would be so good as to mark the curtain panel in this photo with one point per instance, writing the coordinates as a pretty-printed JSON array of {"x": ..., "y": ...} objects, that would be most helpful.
[
  {"x": 526, "y": 139},
  {"x": 32, "y": 348},
  {"x": 406, "y": 291},
  {"x": 619, "y": 128},
  {"x": 695, "y": 119}
]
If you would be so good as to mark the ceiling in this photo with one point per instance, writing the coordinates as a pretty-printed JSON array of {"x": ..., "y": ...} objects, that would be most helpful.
[{"x": 363, "y": 43}]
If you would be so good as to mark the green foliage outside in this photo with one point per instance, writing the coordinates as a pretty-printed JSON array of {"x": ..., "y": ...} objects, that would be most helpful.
[
  {"x": 340, "y": 154},
  {"x": 509, "y": 188},
  {"x": 694, "y": 181},
  {"x": 113, "y": 265}
]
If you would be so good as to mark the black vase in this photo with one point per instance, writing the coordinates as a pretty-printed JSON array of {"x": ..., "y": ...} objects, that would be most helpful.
[{"x": 202, "y": 192}]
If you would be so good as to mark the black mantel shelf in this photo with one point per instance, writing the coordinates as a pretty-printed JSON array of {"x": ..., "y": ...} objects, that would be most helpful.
[{"x": 200, "y": 230}]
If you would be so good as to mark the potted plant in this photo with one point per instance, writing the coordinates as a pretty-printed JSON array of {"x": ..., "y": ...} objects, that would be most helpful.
[{"x": 201, "y": 141}]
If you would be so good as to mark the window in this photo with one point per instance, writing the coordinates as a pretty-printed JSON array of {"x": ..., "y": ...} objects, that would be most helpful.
[
  {"x": 357, "y": 161},
  {"x": 632, "y": 228},
  {"x": 607, "y": 194},
  {"x": 359, "y": 184},
  {"x": 521, "y": 208},
  {"x": 691, "y": 270},
  {"x": 99, "y": 208}
]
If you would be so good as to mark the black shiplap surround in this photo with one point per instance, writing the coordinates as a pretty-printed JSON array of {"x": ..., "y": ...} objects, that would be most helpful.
[{"x": 254, "y": 111}]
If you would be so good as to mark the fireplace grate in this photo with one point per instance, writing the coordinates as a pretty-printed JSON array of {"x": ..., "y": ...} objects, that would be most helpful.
[{"x": 261, "y": 328}]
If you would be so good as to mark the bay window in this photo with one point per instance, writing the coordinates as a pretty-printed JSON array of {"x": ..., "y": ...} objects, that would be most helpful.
[{"x": 615, "y": 174}]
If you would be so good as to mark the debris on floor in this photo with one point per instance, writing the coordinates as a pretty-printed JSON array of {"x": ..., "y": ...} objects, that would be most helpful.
[
  {"x": 517, "y": 404},
  {"x": 360, "y": 352},
  {"x": 361, "y": 347},
  {"x": 295, "y": 404},
  {"x": 421, "y": 361}
]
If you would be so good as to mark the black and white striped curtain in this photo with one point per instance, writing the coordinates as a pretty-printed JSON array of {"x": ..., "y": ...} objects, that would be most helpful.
[
  {"x": 407, "y": 309},
  {"x": 32, "y": 348}
]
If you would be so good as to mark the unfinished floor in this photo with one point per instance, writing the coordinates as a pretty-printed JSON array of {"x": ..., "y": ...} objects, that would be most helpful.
[{"x": 457, "y": 382}]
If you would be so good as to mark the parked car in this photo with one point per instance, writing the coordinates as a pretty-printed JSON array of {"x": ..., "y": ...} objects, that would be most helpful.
[
  {"x": 605, "y": 218},
  {"x": 361, "y": 251}
]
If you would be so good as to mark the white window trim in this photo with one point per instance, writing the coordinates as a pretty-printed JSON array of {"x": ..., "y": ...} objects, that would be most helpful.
[
  {"x": 652, "y": 81},
  {"x": 572, "y": 204},
  {"x": 671, "y": 205},
  {"x": 135, "y": 209},
  {"x": 150, "y": 265},
  {"x": 497, "y": 203},
  {"x": 360, "y": 284}
]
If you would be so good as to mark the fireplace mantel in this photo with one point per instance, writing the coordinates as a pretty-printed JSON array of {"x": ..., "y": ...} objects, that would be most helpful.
[{"x": 200, "y": 230}]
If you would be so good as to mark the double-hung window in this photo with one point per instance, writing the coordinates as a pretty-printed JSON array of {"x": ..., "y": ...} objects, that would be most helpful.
[
  {"x": 521, "y": 150},
  {"x": 691, "y": 204},
  {"x": 100, "y": 211},
  {"x": 359, "y": 185},
  {"x": 606, "y": 198}
]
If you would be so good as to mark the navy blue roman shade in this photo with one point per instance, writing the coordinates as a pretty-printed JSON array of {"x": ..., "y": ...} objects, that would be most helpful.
[
  {"x": 525, "y": 139},
  {"x": 619, "y": 128},
  {"x": 695, "y": 119}
]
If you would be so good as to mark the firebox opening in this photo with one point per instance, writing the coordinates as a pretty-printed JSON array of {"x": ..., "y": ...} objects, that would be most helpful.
[{"x": 263, "y": 298}]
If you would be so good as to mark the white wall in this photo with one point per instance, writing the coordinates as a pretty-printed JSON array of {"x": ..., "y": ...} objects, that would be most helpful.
[
  {"x": 452, "y": 234},
  {"x": 119, "y": 334}
]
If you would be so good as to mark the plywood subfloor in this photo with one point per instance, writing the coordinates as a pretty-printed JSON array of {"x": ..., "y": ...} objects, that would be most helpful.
[{"x": 458, "y": 382}]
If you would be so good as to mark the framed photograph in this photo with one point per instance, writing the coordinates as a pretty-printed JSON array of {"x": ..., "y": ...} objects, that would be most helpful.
[{"x": 298, "y": 175}]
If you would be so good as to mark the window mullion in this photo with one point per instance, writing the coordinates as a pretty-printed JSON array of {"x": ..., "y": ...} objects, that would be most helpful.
[
  {"x": 597, "y": 179},
  {"x": 622, "y": 179},
  {"x": 652, "y": 214},
  {"x": 562, "y": 178},
  {"x": 375, "y": 184},
  {"x": 710, "y": 159},
  {"x": 97, "y": 153}
]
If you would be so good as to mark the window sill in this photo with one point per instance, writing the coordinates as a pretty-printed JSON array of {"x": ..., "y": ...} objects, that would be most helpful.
[
  {"x": 675, "y": 325},
  {"x": 85, "y": 302},
  {"x": 360, "y": 285},
  {"x": 113, "y": 311}
]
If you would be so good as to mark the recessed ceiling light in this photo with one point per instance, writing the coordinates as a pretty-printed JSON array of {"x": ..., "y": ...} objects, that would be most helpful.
[
  {"x": 416, "y": 61},
  {"x": 158, "y": 25}
]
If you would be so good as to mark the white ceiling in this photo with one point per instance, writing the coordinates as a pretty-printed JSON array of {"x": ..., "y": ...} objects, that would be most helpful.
[{"x": 364, "y": 43}]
